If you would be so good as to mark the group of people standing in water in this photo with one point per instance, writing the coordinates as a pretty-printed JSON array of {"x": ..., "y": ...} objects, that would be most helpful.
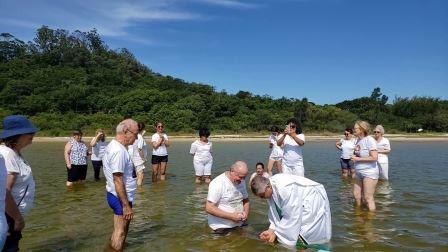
[{"x": 299, "y": 211}]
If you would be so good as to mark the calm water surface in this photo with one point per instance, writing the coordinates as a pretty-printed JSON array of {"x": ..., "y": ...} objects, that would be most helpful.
[{"x": 412, "y": 210}]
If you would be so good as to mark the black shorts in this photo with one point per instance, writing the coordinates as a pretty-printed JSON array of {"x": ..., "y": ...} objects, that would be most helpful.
[
  {"x": 77, "y": 172},
  {"x": 159, "y": 159},
  {"x": 346, "y": 164}
]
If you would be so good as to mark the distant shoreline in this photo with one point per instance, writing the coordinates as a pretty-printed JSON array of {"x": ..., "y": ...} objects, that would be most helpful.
[{"x": 245, "y": 138}]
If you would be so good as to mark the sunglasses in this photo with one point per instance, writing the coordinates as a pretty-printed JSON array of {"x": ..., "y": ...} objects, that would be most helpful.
[
  {"x": 376, "y": 132},
  {"x": 160, "y": 127}
]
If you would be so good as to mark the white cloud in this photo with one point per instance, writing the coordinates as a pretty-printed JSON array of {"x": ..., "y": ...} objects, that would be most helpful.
[{"x": 231, "y": 3}]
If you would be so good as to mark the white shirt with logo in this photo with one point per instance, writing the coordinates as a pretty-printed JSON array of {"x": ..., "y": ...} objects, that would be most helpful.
[
  {"x": 229, "y": 198},
  {"x": 117, "y": 160}
]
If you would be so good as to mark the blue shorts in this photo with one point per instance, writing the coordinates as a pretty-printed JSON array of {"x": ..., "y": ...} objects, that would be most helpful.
[
  {"x": 115, "y": 204},
  {"x": 347, "y": 164}
]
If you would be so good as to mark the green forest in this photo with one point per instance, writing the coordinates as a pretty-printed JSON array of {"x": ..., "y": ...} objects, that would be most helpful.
[{"x": 66, "y": 80}]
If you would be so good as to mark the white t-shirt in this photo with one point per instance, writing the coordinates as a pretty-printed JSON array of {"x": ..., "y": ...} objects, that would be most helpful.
[
  {"x": 384, "y": 144},
  {"x": 139, "y": 143},
  {"x": 362, "y": 149},
  {"x": 201, "y": 151},
  {"x": 3, "y": 175},
  {"x": 229, "y": 198},
  {"x": 24, "y": 186},
  {"x": 161, "y": 150},
  {"x": 292, "y": 151},
  {"x": 116, "y": 159},
  {"x": 348, "y": 146},
  {"x": 276, "y": 151},
  {"x": 98, "y": 151},
  {"x": 265, "y": 174}
]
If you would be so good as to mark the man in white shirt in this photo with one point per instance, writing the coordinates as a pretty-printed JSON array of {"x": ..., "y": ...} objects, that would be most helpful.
[
  {"x": 299, "y": 211},
  {"x": 227, "y": 200},
  {"x": 121, "y": 181}
]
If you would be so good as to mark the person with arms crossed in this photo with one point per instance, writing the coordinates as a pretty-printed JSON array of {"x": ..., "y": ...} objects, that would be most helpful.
[
  {"x": 227, "y": 202},
  {"x": 121, "y": 183},
  {"x": 384, "y": 150},
  {"x": 276, "y": 151}
]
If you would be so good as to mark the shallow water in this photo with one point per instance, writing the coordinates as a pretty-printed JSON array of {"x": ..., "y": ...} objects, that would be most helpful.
[{"x": 412, "y": 210}]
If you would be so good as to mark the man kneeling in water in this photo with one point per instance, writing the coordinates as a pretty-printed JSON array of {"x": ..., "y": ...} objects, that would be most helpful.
[{"x": 299, "y": 211}]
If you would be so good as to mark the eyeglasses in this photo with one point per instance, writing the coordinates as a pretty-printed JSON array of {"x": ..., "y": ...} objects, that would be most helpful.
[
  {"x": 135, "y": 134},
  {"x": 376, "y": 132},
  {"x": 292, "y": 126},
  {"x": 160, "y": 126},
  {"x": 346, "y": 134}
]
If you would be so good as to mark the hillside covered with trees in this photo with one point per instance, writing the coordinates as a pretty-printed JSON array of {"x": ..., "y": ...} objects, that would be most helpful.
[{"x": 65, "y": 80}]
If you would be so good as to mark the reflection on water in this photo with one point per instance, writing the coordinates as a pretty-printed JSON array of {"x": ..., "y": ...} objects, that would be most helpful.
[{"x": 412, "y": 209}]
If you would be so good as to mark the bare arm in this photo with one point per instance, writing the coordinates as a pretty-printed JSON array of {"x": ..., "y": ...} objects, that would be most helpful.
[
  {"x": 339, "y": 145},
  {"x": 11, "y": 206},
  {"x": 212, "y": 208},
  {"x": 246, "y": 207},
  {"x": 280, "y": 141},
  {"x": 297, "y": 139},
  {"x": 128, "y": 214},
  {"x": 94, "y": 141},
  {"x": 67, "y": 150},
  {"x": 141, "y": 153}
]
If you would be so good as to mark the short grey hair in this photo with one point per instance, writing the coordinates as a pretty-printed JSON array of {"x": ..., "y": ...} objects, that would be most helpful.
[
  {"x": 239, "y": 166},
  {"x": 124, "y": 125},
  {"x": 258, "y": 185},
  {"x": 380, "y": 128}
]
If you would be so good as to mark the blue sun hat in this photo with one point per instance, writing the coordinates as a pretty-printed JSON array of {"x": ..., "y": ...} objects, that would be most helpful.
[{"x": 14, "y": 125}]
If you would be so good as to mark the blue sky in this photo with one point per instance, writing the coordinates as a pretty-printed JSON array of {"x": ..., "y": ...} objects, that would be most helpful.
[{"x": 324, "y": 50}]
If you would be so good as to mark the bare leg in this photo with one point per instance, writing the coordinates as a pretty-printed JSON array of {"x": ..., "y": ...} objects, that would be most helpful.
[
  {"x": 155, "y": 172},
  {"x": 344, "y": 173},
  {"x": 369, "y": 186},
  {"x": 353, "y": 173},
  {"x": 140, "y": 177},
  {"x": 198, "y": 180},
  {"x": 279, "y": 166},
  {"x": 69, "y": 183},
  {"x": 207, "y": 179},
  {"x": 357, "y": 191},
  {"x": 270, "y": 166},
  {"x": 163, "y": 166},
  {"x": 120, "y": 231}
]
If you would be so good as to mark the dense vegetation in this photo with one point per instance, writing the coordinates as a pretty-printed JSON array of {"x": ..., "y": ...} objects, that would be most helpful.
[{"x": 66, "y": 80}]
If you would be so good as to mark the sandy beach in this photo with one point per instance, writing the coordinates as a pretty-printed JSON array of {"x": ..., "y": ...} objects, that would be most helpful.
[{"x": 246, "y": 138}]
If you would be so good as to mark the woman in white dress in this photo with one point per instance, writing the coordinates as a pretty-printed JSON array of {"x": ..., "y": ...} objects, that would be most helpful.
[
  {"x": 201, "y": 150},
  {"x": 384, "y": 149},
  {"x": 276, "y": 151}
]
